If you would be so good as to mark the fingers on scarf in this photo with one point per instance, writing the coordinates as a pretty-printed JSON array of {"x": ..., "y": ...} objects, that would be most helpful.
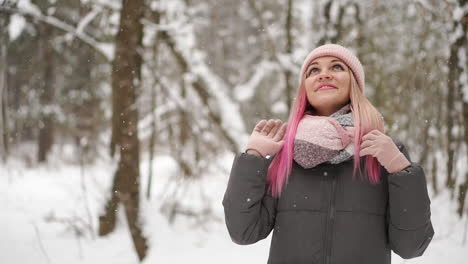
[
  {"x": 377, "y": 133},
  {"x": 275, "y": 128},
  {"x": 281, "y": 132},
  {"x": 369, "y": 136},
  {"x": 366, "y": 143},
  {"x": 260, "y": 125},
  {"x": 269, "y": 125},
  {"x": 366, "y": 151},
  {"x": 367, "y": 147}
]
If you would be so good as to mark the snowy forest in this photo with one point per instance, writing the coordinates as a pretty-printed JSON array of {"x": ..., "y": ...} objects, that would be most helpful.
[{"x": 120, "y": 119}]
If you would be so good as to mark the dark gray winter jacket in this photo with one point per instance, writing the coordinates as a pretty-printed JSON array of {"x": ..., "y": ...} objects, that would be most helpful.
[{"x": 326, "y": 216}]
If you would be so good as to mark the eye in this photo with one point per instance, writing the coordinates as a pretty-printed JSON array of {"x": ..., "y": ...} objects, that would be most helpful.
[
  {"x": 312, "y": 71},
  {"x": 338, "y": 67}
]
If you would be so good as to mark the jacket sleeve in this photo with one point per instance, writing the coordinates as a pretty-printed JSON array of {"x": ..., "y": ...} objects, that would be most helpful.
[
  {"x": 409, "y": 215},
  {"x": 249, "y": 211}
]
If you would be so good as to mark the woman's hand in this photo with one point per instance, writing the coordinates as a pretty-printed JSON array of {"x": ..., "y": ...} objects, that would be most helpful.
[
  {"x": 381, "y": 146},
  {"x": 267, "y": 138}
]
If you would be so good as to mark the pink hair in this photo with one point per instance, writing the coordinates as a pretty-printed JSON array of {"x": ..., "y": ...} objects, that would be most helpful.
[{"x": 366, "y": 118}]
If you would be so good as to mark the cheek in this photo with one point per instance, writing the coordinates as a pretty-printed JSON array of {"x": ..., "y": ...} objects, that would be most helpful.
[
  {"x": 346, "y": 83},
  {"x": 310, "y": 94},
  {"x": 308, "y": 84},
  {"x": 344, "y": 80}
]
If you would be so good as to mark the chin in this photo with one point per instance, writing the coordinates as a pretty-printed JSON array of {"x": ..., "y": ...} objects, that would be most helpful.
[{"x": 326, "y": 100}]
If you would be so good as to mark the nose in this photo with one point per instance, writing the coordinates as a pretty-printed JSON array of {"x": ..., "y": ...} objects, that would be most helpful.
[{"x": 324, "y": 75}]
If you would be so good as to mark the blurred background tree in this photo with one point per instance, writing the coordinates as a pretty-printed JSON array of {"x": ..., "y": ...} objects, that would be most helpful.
[{"x": 210, "y": 69}]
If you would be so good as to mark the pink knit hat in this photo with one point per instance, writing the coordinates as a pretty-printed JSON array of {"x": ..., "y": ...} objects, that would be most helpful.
[{"x": 341, "y": 53}]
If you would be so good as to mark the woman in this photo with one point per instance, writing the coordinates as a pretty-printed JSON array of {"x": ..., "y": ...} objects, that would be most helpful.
[{"x": 330, "y": 183}]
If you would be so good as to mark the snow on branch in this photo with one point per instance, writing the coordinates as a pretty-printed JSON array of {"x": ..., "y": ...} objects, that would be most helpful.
[
  {"x": 105, "y": 49},
  {"x": 108, "y": 4},
  {"x": 181, "y": 35},
  {"x": 87, "y": 19},
  {"x": 246, "y": 91},
  {"x": 207, "y": 83},
  {"x": 229, "y": 113}
]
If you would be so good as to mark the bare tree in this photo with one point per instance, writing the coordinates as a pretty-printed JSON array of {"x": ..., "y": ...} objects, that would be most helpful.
[
  {"x": 333, "y": 25},
  {"x": 126, "y": 74},
  {"x": 46, "y": 85},
  {"x": 456, "y": 71},
  {"x": 289, "y": 50},
  {"x": 455, "y": 90},
  {"x": 4, "y": 20}
]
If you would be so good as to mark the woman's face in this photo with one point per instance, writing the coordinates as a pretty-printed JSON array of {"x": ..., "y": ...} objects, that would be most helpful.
[{"x": 327, "y": 84}]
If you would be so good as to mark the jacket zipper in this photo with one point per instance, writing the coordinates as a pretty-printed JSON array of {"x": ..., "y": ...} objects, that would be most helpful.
[{"x": 331, "y": 219}]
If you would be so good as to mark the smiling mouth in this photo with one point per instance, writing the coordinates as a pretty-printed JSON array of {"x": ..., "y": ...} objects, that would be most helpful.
[{"x": 326, "y": 87}]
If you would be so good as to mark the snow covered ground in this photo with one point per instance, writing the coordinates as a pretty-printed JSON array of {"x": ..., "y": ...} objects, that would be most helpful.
[{"x": 46, "y": 211}]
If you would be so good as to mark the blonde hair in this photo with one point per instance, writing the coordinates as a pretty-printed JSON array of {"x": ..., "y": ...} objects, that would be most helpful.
[{"x": 366, "y": 118}]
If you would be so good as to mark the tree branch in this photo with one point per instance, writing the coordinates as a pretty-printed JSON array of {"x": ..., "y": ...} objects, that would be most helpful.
[{"x": 100, "y": 47}]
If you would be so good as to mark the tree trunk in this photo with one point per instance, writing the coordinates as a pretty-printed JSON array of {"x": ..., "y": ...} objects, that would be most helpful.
[
  {"x": 462, "y": 43},
  {"x": 289, "y": 43},
  {"x": 454, "y": 86},
  {"x": 435, "y": 187},
  {"x": 330, "y": 25},
  {"x": 152, "y": 142},
  {"x": 153, "y": 116},
  {"x": 4, "y": 20},
  {"x": 125, "y": 81},
  {"x": 453, "y": 61},
  {"x": 46, "y": 95}
]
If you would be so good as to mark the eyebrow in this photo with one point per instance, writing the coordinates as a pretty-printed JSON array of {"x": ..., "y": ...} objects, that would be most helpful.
[
  {"x": 335, "y": 60},
  {"x": 331, "y": 61}
]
